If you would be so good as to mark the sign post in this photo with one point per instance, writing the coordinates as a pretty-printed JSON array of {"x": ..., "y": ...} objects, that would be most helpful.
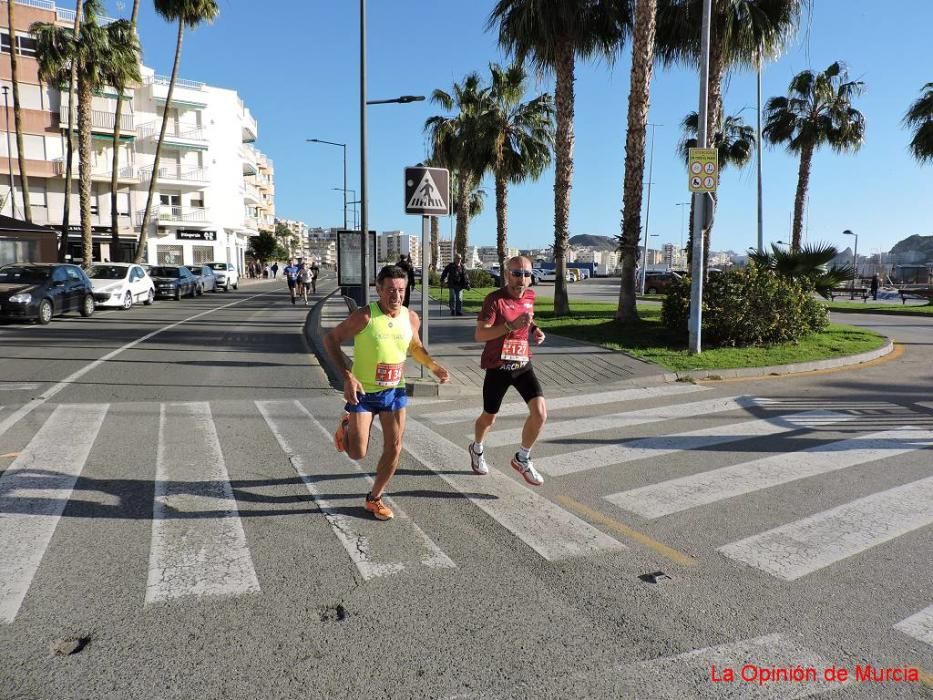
[{"x": 427, "y": 192}]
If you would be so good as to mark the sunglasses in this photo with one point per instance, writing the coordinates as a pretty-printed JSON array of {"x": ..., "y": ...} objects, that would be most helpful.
[{"x": 520, "y": 273}]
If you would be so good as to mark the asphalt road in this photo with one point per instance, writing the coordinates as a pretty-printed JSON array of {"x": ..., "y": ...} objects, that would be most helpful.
[{"x": 178, "y": 505}]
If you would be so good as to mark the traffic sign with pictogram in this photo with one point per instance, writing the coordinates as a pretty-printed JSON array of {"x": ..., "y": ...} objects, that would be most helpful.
[
  {"x": 704, "y": 169},
  {"x": 427, "y": 191}
]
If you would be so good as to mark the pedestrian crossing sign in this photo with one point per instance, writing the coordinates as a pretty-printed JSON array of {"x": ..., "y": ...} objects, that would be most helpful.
[{"x": 427, "y": 191}]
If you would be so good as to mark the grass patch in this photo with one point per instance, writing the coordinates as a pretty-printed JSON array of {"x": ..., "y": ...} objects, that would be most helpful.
[
  {"x": 647, "y": 339},
  {"x": 858, "y": 307}
]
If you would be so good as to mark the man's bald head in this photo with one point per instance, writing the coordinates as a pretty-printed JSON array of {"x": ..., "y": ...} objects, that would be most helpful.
[{"x": 519, "y": 261}]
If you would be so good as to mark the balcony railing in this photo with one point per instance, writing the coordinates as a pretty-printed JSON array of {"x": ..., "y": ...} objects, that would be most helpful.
[
  {"x": 63, "y": 14},
  {"x": 179, "y": 82},
  {"x": 176, "y": 172},
  {"x": 173, "y": 130},
  {"x": 125, "y": 173},
  {"x": 175, "y": 214},
  {"x": 252, "y": 193},
  {"x": 100, "y": 120}
]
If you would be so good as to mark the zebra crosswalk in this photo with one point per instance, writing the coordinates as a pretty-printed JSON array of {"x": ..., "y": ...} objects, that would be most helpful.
[{"x": 199, "y": 547}]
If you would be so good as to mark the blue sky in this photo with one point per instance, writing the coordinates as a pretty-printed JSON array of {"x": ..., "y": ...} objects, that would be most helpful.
[{"x": 296, "y": 64}]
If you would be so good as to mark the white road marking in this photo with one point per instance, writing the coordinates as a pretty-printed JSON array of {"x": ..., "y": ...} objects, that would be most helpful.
[
  {"x": 381, "y": 551},
  {"x": 551, "y": 531},
  {"x": 516, "y": 409},
  {"x": 19, "y": 387},
  {"x": 919, "y": 626},
  {"x": 807, "y": 545},
  {"x": 592, "y": 424},
  {"x": 198, "y": 544},
  {"x": 653, "y": 447},
  {"x": 707, "y": 487},
  {"x": 28, "y": 408},
  {"x": 49, "y": 464}
]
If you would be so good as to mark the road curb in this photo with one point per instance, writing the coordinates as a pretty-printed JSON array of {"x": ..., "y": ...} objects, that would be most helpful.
[{"x": 312, "y": 331}]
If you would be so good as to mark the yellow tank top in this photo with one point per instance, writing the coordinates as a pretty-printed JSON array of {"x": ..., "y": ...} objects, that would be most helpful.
[{"x": 379, "y": 352}]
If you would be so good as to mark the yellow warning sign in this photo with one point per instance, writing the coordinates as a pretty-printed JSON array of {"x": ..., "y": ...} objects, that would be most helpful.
[{"x": 704, "y": 169}]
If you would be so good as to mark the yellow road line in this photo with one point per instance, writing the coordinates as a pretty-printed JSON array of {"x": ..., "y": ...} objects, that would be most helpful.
[
  {"x": 640, "y": 537},
  {"x": 10, "y": 455},
  {"x": 890, "y": 357}
]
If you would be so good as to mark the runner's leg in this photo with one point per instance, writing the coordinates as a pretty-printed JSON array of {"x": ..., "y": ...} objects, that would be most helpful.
[
  {"x": 358, "y": 434},
  {"x": 393, "y": 427}
]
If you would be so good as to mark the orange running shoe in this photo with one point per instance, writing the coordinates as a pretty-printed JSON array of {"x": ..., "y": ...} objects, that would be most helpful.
[
  {"x": 340, "y": 436},
  {"x": 379, "y": 509}
]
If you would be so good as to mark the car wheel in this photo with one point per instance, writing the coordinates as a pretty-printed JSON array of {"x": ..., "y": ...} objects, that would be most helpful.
[
  {"x": 128, "y": 301},
  {"x": 45, "y": 312},
  {"x": 214, "y": 290},
  {"x": 198, "y": 290},
  {"x": 177, "y": 293},
  {"x": 227, "y": 287},
  {"x": 149, "y": 298},
  {"x": 87, "y": 308},
  {"x": 236, "y": 285}
]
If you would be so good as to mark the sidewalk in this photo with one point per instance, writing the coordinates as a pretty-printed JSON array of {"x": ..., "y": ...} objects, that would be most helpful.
[{"x": 561, "y": 363}]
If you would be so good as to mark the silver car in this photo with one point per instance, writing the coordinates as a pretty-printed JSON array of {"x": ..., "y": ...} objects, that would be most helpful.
[{"x": 226, "y": 274}]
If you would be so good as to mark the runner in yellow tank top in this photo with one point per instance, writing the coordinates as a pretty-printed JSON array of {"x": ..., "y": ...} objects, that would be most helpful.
[{"x": 384, "y": 333}]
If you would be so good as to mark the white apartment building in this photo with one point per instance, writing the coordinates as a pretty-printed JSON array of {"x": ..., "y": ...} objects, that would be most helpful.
[
  {"x": 674, "y": 257},
  {"x": 606, "y": 261},
  {"x": 297, "y": 243},
  {"x": 391, "y": 245},
  {"x": 489, "y": 254},
  {"x": 214, "y": 192},
  {"x": 322, "y": 244}
]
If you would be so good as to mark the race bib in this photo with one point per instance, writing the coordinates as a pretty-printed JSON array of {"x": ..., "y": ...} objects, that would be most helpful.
[
  {"x": 389, "y": 375},
  {"x": 514, "y": 350}
]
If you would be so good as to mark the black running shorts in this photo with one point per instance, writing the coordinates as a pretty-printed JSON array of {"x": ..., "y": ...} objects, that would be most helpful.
[{"x": 498, "y": 381}]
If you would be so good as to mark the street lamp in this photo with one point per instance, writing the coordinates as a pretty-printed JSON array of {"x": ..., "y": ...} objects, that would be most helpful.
[
  {"x": 346, "y": 203},
  {"x": 344, "y": 147},
  {"x": 847, "y": 232},
  {"x": 682, "y": 212},
  {"x": 9, "y": 150}
]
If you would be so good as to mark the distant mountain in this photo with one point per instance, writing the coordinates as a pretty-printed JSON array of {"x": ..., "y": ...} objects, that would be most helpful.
[
  {"x": 593, "y": 241},
  {"x": 914, "y": 249}
]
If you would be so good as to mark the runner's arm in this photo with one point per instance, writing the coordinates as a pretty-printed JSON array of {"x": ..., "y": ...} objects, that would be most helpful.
[
  {"x": 486, "y": 330},
  {"x": 421, "y": 355},
  {"x": 348, "y": 329}
]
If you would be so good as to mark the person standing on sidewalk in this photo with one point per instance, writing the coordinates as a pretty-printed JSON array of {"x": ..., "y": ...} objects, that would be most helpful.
[
  {"x": 383, "y": 334},
  {"x": 457, "y": 279},
  {"x": 505, "y": 324}
]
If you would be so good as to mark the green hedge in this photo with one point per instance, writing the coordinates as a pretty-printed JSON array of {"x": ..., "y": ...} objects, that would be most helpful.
[{"x": 748, "y": 307}]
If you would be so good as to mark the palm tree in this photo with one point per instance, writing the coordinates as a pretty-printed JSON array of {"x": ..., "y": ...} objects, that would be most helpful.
[
  {"x": 188, "y": 13},
  {"x": 520, "y": 136},
  {"x": 17, "y": 118},
  {"x": 639, "y": 93},
  {"x": 817, "y": 111},
  {"x": 553, "y": 34},
  {"x": 98, "y": 54},
  {"x": 738, "y": 28},
  {"x": 734, "y": 143},
  {"x": 811, "y": 262},
  {"x": 920, "y": 118},
  {"x": 456, "y": 140},
  {"x": 120, "y": 86},
  {"x": 72, "y": 78}
]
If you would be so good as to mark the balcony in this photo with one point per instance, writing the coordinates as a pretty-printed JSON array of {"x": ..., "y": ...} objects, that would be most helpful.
[
  {"x": 166, "y": 215},
  {"x": 101, "y": 122},
  {"x": 250, "y": 130},
  {"x": 178, "y": 175},
  {"x": 250, "y": 158},
  {"x": 252, "y": 195},
  {"x": 188, "y": 94},
  {"x": 62, "y": 14},
  {"x": 176, "y": 135},
  {"x": 99, "y": 173}
]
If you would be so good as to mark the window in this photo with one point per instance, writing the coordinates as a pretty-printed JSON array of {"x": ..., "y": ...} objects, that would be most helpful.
[
  {"x": 26, "y": 44},
  {"x": 169, "y": 254},
  {"x": 123, "y": 203},
  {"x": 202, "y": 254},
  {"x": 170, "y": 200},
  {"x": 37, "y": 196}
]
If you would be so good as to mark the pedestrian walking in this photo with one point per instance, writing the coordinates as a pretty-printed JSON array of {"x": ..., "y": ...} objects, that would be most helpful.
[
  {"x": 875, "y": 283},
  {"x": 406, "y": 264},
  {"x": 505, "y": 324},
  {"x": 267, "y": 272},
  {"x": 457, "y": 279},
  {"x": 384, "y": 332},
  {"x": 315, "y": 271},
  {"x": 274, "y": 269}
]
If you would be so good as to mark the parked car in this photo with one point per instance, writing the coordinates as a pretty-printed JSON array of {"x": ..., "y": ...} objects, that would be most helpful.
[
  {"x": 173, "y": 281},
  {"x": 551, "y": 276},
  {"x": 496, "y": 280},
  {"x": 207, "y": 280},
  {"x": 226, "y": 273},
  {"x": 42, "y": 290},
  {"x": 659, "y": 282},
  {"x": 121, "y": 284}
]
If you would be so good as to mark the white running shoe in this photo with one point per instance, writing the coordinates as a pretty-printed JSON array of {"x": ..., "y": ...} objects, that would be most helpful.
[
  {"x": 527, "y": 469},
  {"x": 478, "y": 461}
]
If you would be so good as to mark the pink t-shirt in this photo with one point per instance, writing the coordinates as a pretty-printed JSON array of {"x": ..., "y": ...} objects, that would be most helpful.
[{"x": 499, "y": 307}]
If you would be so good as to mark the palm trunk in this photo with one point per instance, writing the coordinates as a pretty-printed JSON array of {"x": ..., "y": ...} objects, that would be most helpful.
[
  {"x": 18, "y": 117},
  {"x": 69, "y": 147},
  {"x": 115, "y": 163},
  {"x": 638, "y": 102},
  {"x": 803, "y": 183},
  {"x": 435, "y": 244},
  {"x": 502, "y": 206},
  {"x": 463, "y": 214},
  {"x": 153, "y": 182},
  {"x": 563, "y": 172},
  {"x": 85, "y": 95}
]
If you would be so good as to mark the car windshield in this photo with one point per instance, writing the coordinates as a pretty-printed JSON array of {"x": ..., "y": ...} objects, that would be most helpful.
[
  {"x": 24, "y": 273},
  {"x": 164, "y": 272},
  {"x": 218, "y": 266},
  {"x": 107, "y": 272}
]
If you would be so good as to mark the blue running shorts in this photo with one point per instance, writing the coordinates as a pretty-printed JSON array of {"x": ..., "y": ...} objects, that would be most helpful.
[{"x": 378, "y": 401}]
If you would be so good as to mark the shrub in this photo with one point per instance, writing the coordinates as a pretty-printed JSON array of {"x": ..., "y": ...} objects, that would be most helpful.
[
  {"x": 479, "y": 278},
  {"x": 434, "y": 278},
  {"x": 751, "y": 306}
]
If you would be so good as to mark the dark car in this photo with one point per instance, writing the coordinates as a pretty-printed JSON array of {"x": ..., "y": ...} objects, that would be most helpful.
[
  {"x": 42, "y": 290},
  {"x": 659, "y": 282},
  {"x": 205, "y": 275},
  {"x": 173, "y": 281}
]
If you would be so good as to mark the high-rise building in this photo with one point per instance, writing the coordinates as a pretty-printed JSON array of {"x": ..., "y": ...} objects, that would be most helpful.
[{"x": 390, "y": 245}]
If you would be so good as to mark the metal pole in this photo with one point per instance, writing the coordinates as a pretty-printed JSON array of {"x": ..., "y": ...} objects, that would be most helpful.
[
  {"x": 344, "y": 187},
  {"x": 425, "y": 301},
  {"x": 761, "y": 226},
  {"x": 364, "y": 214},
  {"x": 696, "y": 268},
  {"x": 9, "y": 151},
  {"x": 644, "y": 257}
]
